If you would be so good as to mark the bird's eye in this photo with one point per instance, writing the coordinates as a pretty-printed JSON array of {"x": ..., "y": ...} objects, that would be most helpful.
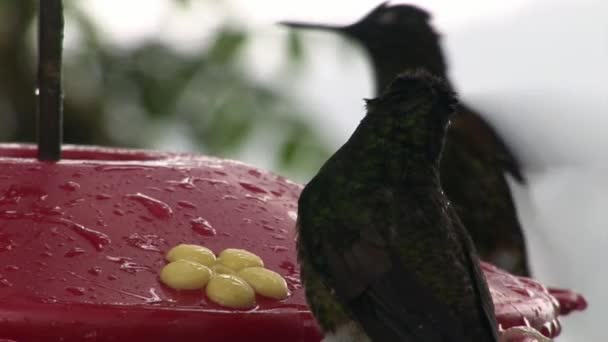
[{"x": 387, "y": 18}]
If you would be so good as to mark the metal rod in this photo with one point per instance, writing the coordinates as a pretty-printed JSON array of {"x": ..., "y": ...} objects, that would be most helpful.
[{"x": 50, "y": 95}]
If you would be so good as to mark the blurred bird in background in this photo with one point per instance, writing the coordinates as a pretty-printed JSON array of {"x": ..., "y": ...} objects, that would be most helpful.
[{"x": 475, "y": 158}]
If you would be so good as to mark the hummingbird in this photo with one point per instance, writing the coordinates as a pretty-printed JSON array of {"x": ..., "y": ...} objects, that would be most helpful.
[
  {"x": 398, "y": 38},
  {"x": 383, "y": 255}
]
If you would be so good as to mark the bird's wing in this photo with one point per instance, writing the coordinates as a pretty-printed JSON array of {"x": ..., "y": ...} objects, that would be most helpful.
[
  {"x": 482, "y": 293},
  {"x": 386, "y": 299},
  {"x": 370, "y": 280},
  {"x": 484, "y": 139}
]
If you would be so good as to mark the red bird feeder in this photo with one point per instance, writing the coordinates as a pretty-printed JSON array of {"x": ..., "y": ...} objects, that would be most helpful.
[{"x": 83, "y": 240}]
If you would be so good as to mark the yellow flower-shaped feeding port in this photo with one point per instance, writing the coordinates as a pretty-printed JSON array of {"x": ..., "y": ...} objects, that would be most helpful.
[{"x": 232, "y": 279}]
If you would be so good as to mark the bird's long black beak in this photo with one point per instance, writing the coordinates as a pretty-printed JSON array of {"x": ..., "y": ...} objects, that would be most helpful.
[{"x": 311, "y": 26}]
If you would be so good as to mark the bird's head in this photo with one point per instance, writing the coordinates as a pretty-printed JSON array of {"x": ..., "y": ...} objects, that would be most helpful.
[{"x": 397, "y": 38}]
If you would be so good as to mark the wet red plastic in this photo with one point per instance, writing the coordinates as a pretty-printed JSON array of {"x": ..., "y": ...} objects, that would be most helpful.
[{"x": 82, "y": 243}]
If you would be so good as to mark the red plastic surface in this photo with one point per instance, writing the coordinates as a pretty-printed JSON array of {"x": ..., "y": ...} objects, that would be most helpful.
[
  {"x": 522, "y": 301},
  {"x": 82, "y": 243}
]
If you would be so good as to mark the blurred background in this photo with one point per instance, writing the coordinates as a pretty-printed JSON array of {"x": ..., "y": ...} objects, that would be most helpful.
[{"x": 221, "y": 78}]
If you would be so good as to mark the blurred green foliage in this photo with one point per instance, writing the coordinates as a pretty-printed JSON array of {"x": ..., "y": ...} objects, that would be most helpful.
[{"x": 128, "y": 95}]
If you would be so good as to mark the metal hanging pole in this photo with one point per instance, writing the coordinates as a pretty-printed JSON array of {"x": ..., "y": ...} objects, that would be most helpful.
[{"x": 49, "y": 91}]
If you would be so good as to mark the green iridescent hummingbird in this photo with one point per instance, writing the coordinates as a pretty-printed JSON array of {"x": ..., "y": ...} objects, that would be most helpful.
[
  {"x": 383, "y": 255},
  {"x": 398, "y": 38}
]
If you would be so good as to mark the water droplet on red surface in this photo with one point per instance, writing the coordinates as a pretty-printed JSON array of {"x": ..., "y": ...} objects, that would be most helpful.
[
  {"x": 288, "y": 266},
  {"x": 94, "y": 271},
  {"x": 70, "y": 186},
  {"x": 229, "y": 197},
  {"x": 156, "y": 207},
  {"x": 267, "y": 227},
  {"x": 105, "y": 168},
  {"x": 11, "y": 268},
  {"x": 74, "y": 202},
  {"x": 102, "y": 197},
  {"x": 76, "y": 291},
  {"x": 74, "y": 252},
  {"x": 292, "y": 215},
  {"x": 186, "y": 204},
  {"x": 252, "y": 188},
  {"x": 147, "y": 242},
  {"x": 278, "y": 237},
  {"x": 98, "y": 239},
  {"x": 4, "y": 282},
  {"x": 6, "y": 244},
  {"x": 278, "y": 249},
  {"x": 293, "y": 283},
  {"x": 255, "y": 173},
  {"x": 212, "y": 181},
  {"x": 118, "y": 212},
  {"x": 202, "y": 227},
  {"x": 129, "y": 266},
  {"x": 185, "y": 183}
]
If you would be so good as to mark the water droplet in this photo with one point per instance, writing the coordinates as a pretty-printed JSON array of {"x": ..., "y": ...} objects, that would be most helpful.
[
  {"x": 288, "y": 266},
  {"x": 185, "y": 183},
  {"x": 5, "y": 282},
  {"x": 74, "y": 252},
  {"x": 11, "y": 268},
  {"x": 129, "y": 266},
  {"x": 186, "y": 204},
  {"x": 212, "y": 181},
  {"x": 229, "y": 197},
  {"x": 267, "y": 227},
  {"x": 118, "y": 212},
  {"x": 278, "y": 237},
  {"x": 157, "y": 208},
  {"x": 278, "y": 249},
  {"x": 292, "y": 215},
  {"x": 293, "y": 283},
  {"x": 202, "y": 227},
  {"x": 98, "y": 239},
  {"x": 76, "y": 291},
  {"x": 105, "y": 168},
  {"x": 102, "y": 197},
  {"x": 94, "y": 271},
  {"x": 262, "y": 199},
  {"x": 255, "y": 173},
  {"x": 252, "y": 188},
  {"x": 70, "y": 186},
  {"x": 154, "y": 297},
  {"x": 147, "y": 242},
  {"x": 46, "y": 254},
  {"x": 6, "y": 244},
  {"x": 112, "y": 277}
]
